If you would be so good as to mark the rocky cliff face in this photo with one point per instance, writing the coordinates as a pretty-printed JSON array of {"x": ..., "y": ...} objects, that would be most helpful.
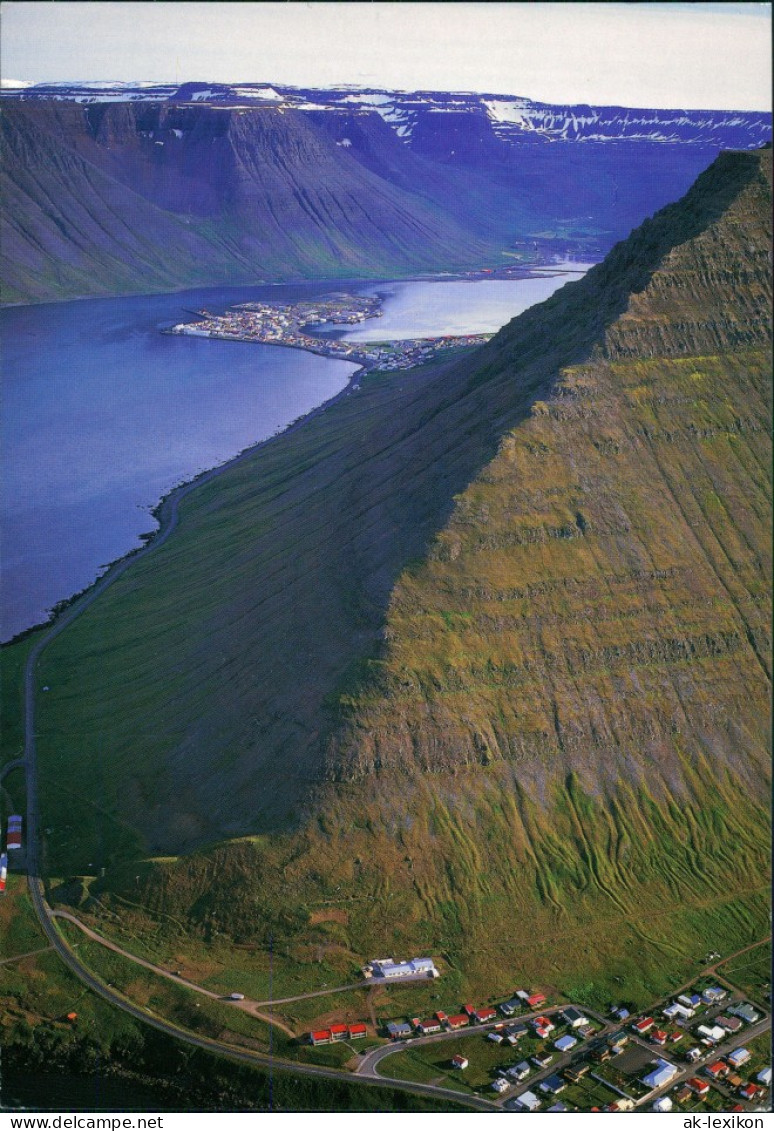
[{"x": 598, "y": 602}]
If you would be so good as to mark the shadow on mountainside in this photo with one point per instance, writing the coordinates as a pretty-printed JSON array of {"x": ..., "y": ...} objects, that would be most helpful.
[{"x": 274, "y": 590}]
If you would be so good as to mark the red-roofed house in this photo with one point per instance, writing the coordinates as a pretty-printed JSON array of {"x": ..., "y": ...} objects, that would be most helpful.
[
  {"x": 544, "y": 1023},
  {"x": 644, "y": 1025},
  {"x": 676, "y": 1037},
  {"x": 700, "y": 1087},
  {"x": 484, "y": 1015},
  {"x": 717, "y": 1070},
  {"x": 431, "y": 1026},
  {"x": 460, "y": 1062},
  {"x": 320, "y": 1037},
  {"x": 534, "y": 1001},
  {"x": 659, "y": 1037},
  {"x": 469, "y": 1009},
  {"x": 338, "y": 1032},
  {"x": 750, "y": 1092},
  {"x": 441, "y": 1016},
  {"x": 357, "y": 1031},
  {"x": 457, "y": 1021},
  {"x": 541, "y": 1032}
]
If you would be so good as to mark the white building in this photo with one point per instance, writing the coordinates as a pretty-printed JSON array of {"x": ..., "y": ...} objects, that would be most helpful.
[
  {"x": 529, "y": 1101},
  {"x": 662, "y": 1074},
  {"x": 414, "y": 968},
  {"x": 663, "y": 1104}
]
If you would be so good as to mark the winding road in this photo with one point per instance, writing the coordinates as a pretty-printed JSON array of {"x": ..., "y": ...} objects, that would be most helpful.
[{"x": 167, "y": 515}]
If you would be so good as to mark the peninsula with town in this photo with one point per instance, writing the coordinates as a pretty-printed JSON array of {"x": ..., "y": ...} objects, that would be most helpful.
[{"x": 293, "y": 324}]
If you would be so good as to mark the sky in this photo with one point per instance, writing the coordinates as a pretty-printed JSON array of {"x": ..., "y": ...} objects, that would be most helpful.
[{"x": 661, "y": 55}]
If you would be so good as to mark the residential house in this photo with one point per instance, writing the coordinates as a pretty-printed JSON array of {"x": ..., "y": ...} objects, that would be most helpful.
[
  {"x": 574, "y": 1017},
  {"x": 750, "y": 1092},
  {"x": 483, "y": 1015},
  {"x": 357, "y": 1031},
  {"x": 621, "y": 1013},
  {"x": 469, "y": 1009},
  {"x": 542, "y": 1059},
  {"x": 558, "y": 1107},
  {"x": 564, "y": 1044},
  {"x": 496, "y": 1038},
  {"x": 734, "y": 1080},
  {"x": 738, "y": 1057},
  {"x": 712, "y": 1033},
  {"x": 529, "y": 1101},
  {"x": 698, "y": 1087},
  {"x": 553, "y": 1085},
  {"x": 659, "y": 1037},
  {"x": 320, "y": 1037},
  {"x": 534, "y": 1001},
  {"x": 692, "y": 1055},
  {"x": 399, "y": 1030},
  {"x": 764, "y": 1077},
  {"x": 517, "y": 1031},
  {"x": 662, "y": 1074},
  {"x": 675, "y": 1037},
  {"x": 585, "y": 1031},
  {"x": 500, "y": 1084},
  {"x": 730, "y": 1024},
  {"x": 576, "y": 1072},
  {"x": 663, "y": 1103},
  {"x": 508, "y": 1008},
  {"x": 690, "y": 1000},
  {"x": 746, "y": 1012},
  {"x": 677, "y": 1009},
  {"x": 457, "y": 1021},
  {"x": 683, "y": 1094},
  {"x": 429, "y": 1026},
  {"x": 618, "y": 1040},
  {"x": 519, "y": 1071},
  {"x": 544, "y": 1023},
  {"x": 713, "y": 994},
  {"x": 717, "y": 1070},
  {"x": 643, "y": 1025},
  {"x": 339, "y": 1032},
  {"x": 460, "y": 1062}
]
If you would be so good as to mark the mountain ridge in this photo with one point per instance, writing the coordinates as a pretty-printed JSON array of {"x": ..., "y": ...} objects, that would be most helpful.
[{"x": 201, "y": 184}]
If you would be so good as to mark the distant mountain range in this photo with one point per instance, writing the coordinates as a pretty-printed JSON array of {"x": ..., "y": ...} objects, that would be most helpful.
[{"x": 121, "y": 187}]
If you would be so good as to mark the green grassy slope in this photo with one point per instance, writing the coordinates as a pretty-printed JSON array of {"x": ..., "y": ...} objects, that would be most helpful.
[{"x": 489, "y": 641}]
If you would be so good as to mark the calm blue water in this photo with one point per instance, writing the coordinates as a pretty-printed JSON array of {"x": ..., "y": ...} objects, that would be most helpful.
[{"x": 103, "y": 415}]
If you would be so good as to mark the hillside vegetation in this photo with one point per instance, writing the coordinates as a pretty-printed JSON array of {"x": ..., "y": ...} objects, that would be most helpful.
[{"x": 484, "y": 648}]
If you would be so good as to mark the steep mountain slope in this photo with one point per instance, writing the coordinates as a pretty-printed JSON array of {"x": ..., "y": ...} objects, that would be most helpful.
[
  {"x": 514, "y": 610},
  {"x": 126, "y": 196},
  {"x": 256, "y": 182}
]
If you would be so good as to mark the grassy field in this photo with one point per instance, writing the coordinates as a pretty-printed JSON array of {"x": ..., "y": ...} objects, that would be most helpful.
[
  {"x": 19, "y": 927},
  {"x": 751, "y": 973},
  {"x": 37, "y": 993}
]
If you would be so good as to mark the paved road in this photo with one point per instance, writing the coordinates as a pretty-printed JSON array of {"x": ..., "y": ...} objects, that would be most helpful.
[
  {"x": 369, "y": 1064},
  {"x": 221, "y": 1048}
]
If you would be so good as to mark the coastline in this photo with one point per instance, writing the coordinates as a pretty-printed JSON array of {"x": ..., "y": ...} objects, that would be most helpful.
[
  {"x": 150, "y": 539},
  {"x": 164, "y": 512}
]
